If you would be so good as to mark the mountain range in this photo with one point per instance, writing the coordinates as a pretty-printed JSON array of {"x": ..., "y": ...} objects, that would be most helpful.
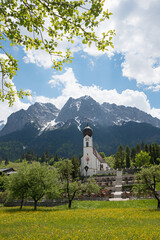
[{"x": 42, "y": 126}]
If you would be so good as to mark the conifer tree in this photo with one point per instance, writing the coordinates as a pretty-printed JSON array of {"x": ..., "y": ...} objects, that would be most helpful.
[
  {"x": 120, "y": 158},
  {"x": 6, "y": 161},
  {"x": 133, "y": 154},
  {"x": 0, "y": 160},
  {"x": 146, "y": 149},
  {"x": 138, "y": 149},
  {"x": 128, "y": 157}
]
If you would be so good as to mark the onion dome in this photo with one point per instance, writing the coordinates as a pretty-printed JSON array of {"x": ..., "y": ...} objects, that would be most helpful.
[{"x": 87, "y": 131}]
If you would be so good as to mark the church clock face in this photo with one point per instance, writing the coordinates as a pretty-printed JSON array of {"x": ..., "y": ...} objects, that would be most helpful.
[{"x": 87, "y": 139}]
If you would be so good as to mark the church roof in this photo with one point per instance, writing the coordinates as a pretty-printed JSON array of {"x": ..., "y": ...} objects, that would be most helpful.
[
  {"x": 98, "y": 156},
  {"x": 87, "y": 131}
]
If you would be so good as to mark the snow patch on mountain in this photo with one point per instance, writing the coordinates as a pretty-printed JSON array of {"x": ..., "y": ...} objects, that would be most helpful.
[
  {"x": 78, "y": 123},
  {"x": 76, "y": 104},
  {"x": 2, "y": 124},
  {"x": 52, "y": 125}
]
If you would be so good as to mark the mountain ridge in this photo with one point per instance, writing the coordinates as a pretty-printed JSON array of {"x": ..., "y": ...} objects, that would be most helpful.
[
  {"x": 42, "y": 126},
  {"x": 46, "y": 116}
]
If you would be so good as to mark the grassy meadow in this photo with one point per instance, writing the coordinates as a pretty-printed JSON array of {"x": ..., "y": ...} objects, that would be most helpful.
[{"x": 136, "y": 219}]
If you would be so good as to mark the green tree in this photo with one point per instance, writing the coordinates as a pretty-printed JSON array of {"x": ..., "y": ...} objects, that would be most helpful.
[
  {"x": 56, "y": 158},
  {"x": 142, "y": 159},
  {"x": 142, "y": 146},
  {"x": 53, "y": 185},
  {"x": 17, "y": 185},
  {"x": 47, "y": 155},
  {"x": 3, "y": 179},
  {"x": 43, "y": 158},
  {"x": 6, "y": 161},
  {"x": 120, "y": 158},
  {"x": 0, "y": 160},
  {"x": 133, "y": 154},
  {"x": 44, "y": 24},
  {"x": 146, "y": 149},
  {"x": 138, "y": 149},
  {"x": 128, "y": 157},
  {"x": 76, "y": 167},
  {"x": 102, "y": 154},
  {"x": 40, "y": 180},
  {"x": 147, "y": 181},
  {"x": 33, "y": 181},
  {"x": 110, "y": 160},
  {"x": 154, "y": 153},
  {"x": 30, "y": 156},
  {"x": 73, "y": 187}
]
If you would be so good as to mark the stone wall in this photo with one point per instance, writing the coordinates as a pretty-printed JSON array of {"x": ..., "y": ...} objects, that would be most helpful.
[{"x": 57, "y": 202}]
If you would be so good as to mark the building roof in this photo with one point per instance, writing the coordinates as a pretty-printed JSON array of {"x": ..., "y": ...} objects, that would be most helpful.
[
  {"x": 7, "y": 170},
  {"x": 98, "y": 156}
]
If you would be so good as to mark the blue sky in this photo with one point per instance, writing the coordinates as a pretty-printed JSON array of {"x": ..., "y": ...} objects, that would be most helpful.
[{"x": 127, "y": 75}]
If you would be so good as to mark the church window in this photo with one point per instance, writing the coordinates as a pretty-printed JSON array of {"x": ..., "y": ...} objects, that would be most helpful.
[{"x": 87, "y": 144}]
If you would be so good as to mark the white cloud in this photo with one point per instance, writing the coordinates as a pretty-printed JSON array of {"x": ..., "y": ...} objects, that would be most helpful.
[
  {"x": 155, "y": 112},
  {"x": 43, "y": 59},
  {"x": 71, "y": 88},
  {"x": 3, "y": 56},
  {"x": 38, "y": 57},
  {"x": 6, "y": 111},
  {"x": 137, "y": 38},
  {"x": 154, "y": 88}
]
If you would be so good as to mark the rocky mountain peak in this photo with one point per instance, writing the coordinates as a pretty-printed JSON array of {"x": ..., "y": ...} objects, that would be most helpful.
[
  {"x": 81, "y": 108},
  {"x": 38, "y": 113},
  {"x": 43, "y": 112},
  {"x": 15, "y": 122}
]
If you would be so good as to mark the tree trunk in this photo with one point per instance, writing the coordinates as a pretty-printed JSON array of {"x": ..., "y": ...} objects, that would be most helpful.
[
  {"x": 69, "y": 204},
  {"x": 21, "y": 204},
  {"x": 35, "y": 205},
  {"x": 158, "y": 207}
]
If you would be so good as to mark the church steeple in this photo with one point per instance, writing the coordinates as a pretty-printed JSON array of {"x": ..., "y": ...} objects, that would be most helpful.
[{"x": 87, "y": 131}]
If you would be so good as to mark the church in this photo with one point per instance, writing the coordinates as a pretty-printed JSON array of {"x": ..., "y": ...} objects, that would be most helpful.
[{"x": 91, "y": 163}]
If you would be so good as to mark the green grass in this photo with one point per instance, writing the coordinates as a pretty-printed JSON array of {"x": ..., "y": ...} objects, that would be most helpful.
[
  {"x": 136, "y": 219},
  {"x": 142, "y": 203}
]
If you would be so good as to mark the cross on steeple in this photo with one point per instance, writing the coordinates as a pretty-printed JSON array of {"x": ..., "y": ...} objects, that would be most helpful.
[{"x": 87, "y": 122}]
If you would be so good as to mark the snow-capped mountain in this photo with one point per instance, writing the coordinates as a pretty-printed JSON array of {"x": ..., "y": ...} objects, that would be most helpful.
[
  {"x": 46, "y": 117},
  {"x": 43, "y": 126},
  {"x": 38, "y": 114},
  {"x": 81, "y": 110},
  {"x": 87, "y": 109},
  {"x": 121, "y": 114}
]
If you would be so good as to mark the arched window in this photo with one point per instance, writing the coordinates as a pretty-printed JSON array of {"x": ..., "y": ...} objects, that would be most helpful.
[{"x": 87, "y": 144}]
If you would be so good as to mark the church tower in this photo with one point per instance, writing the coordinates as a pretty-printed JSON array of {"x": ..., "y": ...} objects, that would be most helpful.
[
  {"x": 91, "y": 163},
  {"x": 87, "y": 159}
]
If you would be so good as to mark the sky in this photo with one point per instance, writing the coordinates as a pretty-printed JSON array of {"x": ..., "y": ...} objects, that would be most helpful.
[{"x": 127, "y": 75}]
